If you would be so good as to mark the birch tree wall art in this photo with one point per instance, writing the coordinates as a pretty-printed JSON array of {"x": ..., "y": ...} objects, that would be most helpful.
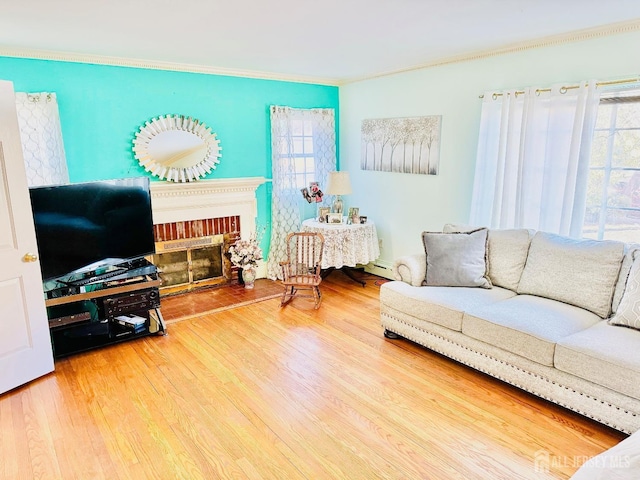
[{"x": 405, "y": 145}]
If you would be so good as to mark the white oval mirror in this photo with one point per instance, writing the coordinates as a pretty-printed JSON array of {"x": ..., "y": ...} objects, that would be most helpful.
[{"x": 176, "y": 148}]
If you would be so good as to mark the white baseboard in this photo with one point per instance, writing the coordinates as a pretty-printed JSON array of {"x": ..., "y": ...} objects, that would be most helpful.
[
  {"x": 378, "y": 268},
  {"x": 382, "y": 269}
]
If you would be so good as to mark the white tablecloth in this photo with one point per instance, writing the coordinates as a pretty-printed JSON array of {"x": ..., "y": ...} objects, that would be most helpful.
[{"x": 346, "y": 245}]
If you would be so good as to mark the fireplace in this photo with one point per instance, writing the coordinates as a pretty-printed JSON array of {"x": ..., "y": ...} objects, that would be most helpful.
[
  {"x": 194, "y": 225},
  {"x": 191, "y": 254}
]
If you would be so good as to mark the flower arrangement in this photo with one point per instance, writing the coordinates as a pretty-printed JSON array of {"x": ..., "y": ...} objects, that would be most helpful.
[{"x": 246, "y": 253}]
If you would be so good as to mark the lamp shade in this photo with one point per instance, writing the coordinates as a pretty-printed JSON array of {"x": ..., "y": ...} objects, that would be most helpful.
[{"x": 338, "y": 183}]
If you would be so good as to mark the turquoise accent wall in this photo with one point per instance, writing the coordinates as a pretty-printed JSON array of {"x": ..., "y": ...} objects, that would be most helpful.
[{"x": 101, "y": 108}]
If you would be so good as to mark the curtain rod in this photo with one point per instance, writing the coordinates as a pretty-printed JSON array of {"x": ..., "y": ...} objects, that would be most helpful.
[{"x": 571, "y": 87}]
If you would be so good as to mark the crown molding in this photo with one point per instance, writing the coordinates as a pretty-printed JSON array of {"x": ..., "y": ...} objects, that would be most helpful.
[
  {"x": 36, "y": 54},
  {"x": 550, "y": 41}
]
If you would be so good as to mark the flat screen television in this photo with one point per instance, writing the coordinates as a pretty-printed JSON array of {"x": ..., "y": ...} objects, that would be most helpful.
[{"x": 92, "y": 225}]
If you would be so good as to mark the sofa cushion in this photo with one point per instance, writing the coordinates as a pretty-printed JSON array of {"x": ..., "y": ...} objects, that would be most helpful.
[
  {"x": 583, "y": 273},
  {"x": 627, "y": 262},
  {"x": 458, "y": 228},
  {"x": 456, "y": 259},
  {"x": 507, "y": 255},
  {"x": 603, "y": 354},
  {"x": 628, "y": 314},
  {"x": 526, "y": 325},
  {"x": 441, "y": 305}
]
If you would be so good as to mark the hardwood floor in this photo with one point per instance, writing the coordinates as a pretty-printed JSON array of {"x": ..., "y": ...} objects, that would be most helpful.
[
  {"x": 216, "y": 299},
  {"x": 260, "y": 392}
]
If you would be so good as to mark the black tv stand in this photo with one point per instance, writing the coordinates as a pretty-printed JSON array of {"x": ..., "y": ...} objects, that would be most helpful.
[{"x": 104, "y": 311}]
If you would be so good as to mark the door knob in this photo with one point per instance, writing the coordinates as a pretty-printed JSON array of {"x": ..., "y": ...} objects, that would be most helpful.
[{"x": 30, "y": 257}]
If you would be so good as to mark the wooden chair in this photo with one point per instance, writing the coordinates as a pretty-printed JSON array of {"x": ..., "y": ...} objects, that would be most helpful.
[{"x": 301, "y": 270}]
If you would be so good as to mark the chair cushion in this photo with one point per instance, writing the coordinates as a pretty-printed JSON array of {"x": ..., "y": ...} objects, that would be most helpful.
[
  {"x": 583, "y": 273},
  {"x": 603, "y": 354},
  {"x": 441, "y": 305},
  {"x": 456, "y": 259},
  {"x": 526, "y": 325}
]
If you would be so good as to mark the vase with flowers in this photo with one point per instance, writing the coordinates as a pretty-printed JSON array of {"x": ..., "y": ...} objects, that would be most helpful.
[{"x": 245, "y": 254}]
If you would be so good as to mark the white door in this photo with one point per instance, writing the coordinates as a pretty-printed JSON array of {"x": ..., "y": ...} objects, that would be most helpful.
[{"x": 25, "y": 344}]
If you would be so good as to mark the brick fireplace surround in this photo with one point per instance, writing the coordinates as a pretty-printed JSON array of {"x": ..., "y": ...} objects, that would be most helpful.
[{"x": 204, "y": 212}]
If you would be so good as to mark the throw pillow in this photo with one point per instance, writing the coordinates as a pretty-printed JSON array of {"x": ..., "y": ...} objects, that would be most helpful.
[
  {"x": 456, "y": 259},
  {"x": 507, "y": 251},
  {"x": 628, "y": 312}
]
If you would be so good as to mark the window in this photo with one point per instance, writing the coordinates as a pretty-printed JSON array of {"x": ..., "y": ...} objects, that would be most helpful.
[
  {"x": 303, "y": 150},
  {"x": 613, "y": 192},
  {"x": 298, "y": 152}
]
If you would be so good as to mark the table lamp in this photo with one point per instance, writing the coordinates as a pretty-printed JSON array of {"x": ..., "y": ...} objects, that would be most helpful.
[{"x": 338, "y": 184}]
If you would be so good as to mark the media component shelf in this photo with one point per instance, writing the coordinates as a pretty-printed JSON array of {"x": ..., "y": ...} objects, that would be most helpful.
[{"x": 93, "y": 310}]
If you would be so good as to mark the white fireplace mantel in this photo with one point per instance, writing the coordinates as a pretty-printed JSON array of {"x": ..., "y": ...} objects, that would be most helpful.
[{"x": 176, "y": 202}]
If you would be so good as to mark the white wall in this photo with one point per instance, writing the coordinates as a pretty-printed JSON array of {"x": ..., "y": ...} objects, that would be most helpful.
[{"x": 404, "y": 205}]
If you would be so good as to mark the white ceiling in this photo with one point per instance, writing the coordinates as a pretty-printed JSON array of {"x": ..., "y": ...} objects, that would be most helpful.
[{"x": 329, "y": 41}]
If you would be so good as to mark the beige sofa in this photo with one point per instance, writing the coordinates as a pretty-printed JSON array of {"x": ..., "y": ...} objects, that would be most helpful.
[{"x": 542, "y": 322}]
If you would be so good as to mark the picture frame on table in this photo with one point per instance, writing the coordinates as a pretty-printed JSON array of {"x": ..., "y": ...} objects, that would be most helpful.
[
  {"x": 354, "y": 215},
  {"x": 322, "y": 213},
  {"x": 334, "y": 218}
]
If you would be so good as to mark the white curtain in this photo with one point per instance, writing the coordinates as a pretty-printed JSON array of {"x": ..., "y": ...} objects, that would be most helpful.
[
  {"x": 286, "y": 125},
  {"x": 41, "y": 137},
  {"x": 533, "y": 159}
]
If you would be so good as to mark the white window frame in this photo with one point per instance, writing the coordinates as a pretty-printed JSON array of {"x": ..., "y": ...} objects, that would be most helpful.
[
  {"x": 301, "y": 158},
  {"x": 608, "y": 168}
]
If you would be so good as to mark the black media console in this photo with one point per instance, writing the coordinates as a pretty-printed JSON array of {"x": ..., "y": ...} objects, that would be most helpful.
[{"x": 104, "y": 306}]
